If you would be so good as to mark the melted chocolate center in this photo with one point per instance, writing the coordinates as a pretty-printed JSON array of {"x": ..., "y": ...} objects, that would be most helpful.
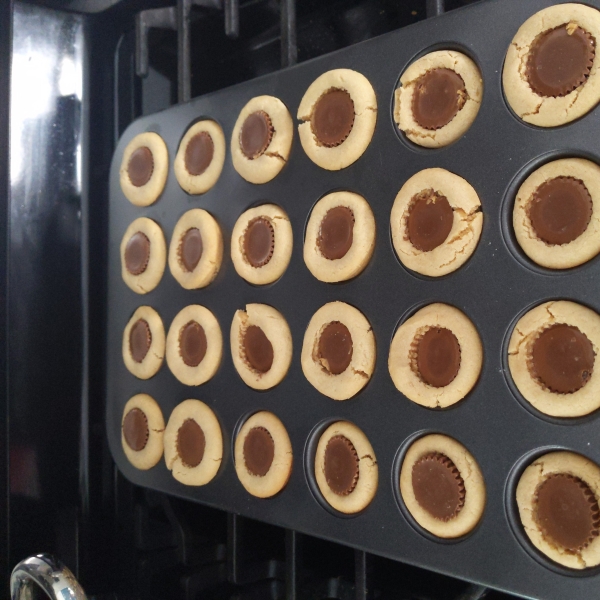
[
  {"x": 192, "y": 343},
  {"x": 438, "y": 96},
  {"x": 341, "y": 465},
  {"x": 190, "y": 249},
  {"x": 335, "y": 347},
  {"x": 256, "y": 134},
  {"x": 191, "y": 443},
  {"x": 438, "y": 486},
  {"x": 259, "y": 451},
  {"x": 333, "y": 117},
  {"x": 430, "y": 220},
  {"x": 137, "y": 253},
  {"x": 560, "y": 210},
  {"x": 135, "y": 429},
  {"x": 140, "y": 339},
  {"x": 560, "y": 60},
  {"x": 566, "y": 511},
  {"x": 258, "y": 349},
  {"x": 199, "y": 153},
  {"x": 140, "y": 166},
  {"x": 336, "y": 232},
  {"x": 562, "y": 359},
  {"x": 438, "y": 357},
  {"x": 259, "y": 242}
]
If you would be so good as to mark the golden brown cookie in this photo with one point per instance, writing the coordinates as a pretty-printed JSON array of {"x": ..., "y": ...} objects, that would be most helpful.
[
  {"x": 261, "y": 139},
  {"x": 346, "y": 467},
  {"x": 261, "y": 346},
  {"x": 338, "y": 113},
  {"x": 436, "y": 222},
  {"x": 338, "y": 352},
  {"x": 194, "y": 345},
  {"x": 144, "y": 343},
  {"x": 142, "y": 428},
  {"x": 263, "y": 455},
  {"x": 556, "y": 216},
  {"x": 200, "y": 157},
  {"x": 558, "y": 497},
  {"x": 196, "y": 249},
  {"x": 442, "y": 486},
  {"x": 438, "y": 98},
  {"x": 436, "y": 356},
  {"x": 144, "y": 168},
  {"x": 340, "y": 237},
  {"x": 552, "y": 358},
  {"x": 193, "y": 443},
  {"x": 550, "y": 74}
]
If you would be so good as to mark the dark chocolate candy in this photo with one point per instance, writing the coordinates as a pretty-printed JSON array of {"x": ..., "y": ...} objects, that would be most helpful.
[
  {"x": 335, "y": 347},
  {"x": 438, "y": 357},
  {"x": 140, "y": 339},
  {"x": 199, "y": 153},
  {"x": 191, "y": 443},
  {"x": 562, "y": 358},
  {"x": 259, "y": 242},
  {"x": 259, "y": 451},
  {"x": 560, "y": 210},
  {"x": 560, "y": 60},
  {"x": 190, "y": 249},
  {"x": 137, "y": 253},
  {"x": 135, "y": 429},
  {"x": 438, "y": 486},
  {"x": 140, "y": 166},
  {"x": 192, "y": 343},
  {"x": 336, "y": 232},
  {"x": 341, "y": 465},
  {"x": 332, "y": 117},
  {"x": 258, "y": 349},
  {"x": 256, "y": 134},
  {"x": 430, "y": 220},
  {"x": 438, "y": 96}
]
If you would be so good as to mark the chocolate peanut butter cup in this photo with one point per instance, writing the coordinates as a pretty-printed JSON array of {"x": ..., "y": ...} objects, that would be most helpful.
[
  {"x": 333, "y": 117},
  {"x": 140, "y": 166},
  {"x": 140, "y": 340},
  {"x": 336, "y": 233},
  {"x": 341, "y": 465},
  {"x": 143, "y": 345},
  {"x": 199, "y": 153},
  {"x": 258, "y": 349},
  {"x": 259, "y": 242},
  {"x": 192, "y": 344},
  {"x": 429, "y": 220},
  {"x": 191, "y": 443},
  {"x": 438, "y": 486},
  {"x": 335, "y": 348},
  {"x": 135, "y": 429},
  {"x": 560, "y": 60},
  {"x": 562, "y": 358},
  {"x": 259, "y": 451},
  {"x": 137, "y": 253},
  {"x": 436, "y": 356},
  {"x": 560, "y": 210},
  {"x": 256, "y": 134},
  {"x": 190, "y": 249},
  {"x": 438, "y": 96}
]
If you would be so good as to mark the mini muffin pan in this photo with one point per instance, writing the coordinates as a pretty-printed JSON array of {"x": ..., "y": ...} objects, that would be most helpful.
[{"x": 496, "y": 285}]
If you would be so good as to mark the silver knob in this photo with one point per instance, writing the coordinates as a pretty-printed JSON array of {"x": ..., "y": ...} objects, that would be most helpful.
[{"x": 45, "y": 572}]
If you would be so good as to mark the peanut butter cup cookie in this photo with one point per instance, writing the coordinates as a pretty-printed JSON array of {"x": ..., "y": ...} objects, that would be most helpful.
[
  {"x": 338, "y": 114},
  {"x": 144, "y": 343},
  {"x": 438, "y": 98},
  {"x": 550, "y": 73}
]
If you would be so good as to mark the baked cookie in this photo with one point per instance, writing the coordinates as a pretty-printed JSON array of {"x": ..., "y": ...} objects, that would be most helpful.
[
  {"x": 142, "y": 428},
  {"x": 194, "y": 345},
  {"x": 200, "y": 157},
  {"x": 558, "y": 497},
  {"x": 550, "y": 72},
  {"x": 196, "y": 249},
  {"x": 193, "y": 443},
  {"x": 143, "y": 255},
  {"x": 262, "y": 139},
  {"x": 338, "y": 352},
  {"x": 436, "y": 356},
  {"x": 551, "y": 356},
  {"x": 144, "y": 168},
  {"x": 346, "y": 468},
  {"x": 442, "y": 486},
  {"x": 340, "y": 237},
  {"x": 263, "y": 455},
  {"x": 261, "y": 346},
  {"x": 438, "y": 98},
  {"x": 436, "y": 222},
  {"x": 338, "y": 113},
  {"x": 556, "y": 217},
  {"x": 261, "y": 244},
  {"x": 144, "y": 343}
]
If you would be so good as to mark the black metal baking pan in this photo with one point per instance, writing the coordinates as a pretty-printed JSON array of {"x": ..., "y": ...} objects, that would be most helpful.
[{"x": 494, "y": 287}]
